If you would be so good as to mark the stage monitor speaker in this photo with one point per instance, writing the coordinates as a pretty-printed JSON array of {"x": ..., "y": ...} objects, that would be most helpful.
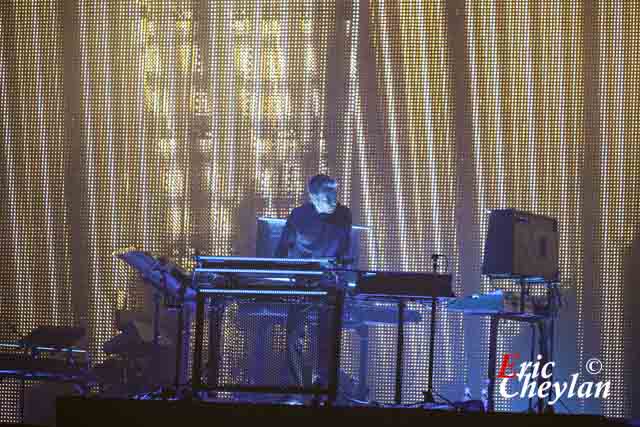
[{"x": 521, "y": 245}]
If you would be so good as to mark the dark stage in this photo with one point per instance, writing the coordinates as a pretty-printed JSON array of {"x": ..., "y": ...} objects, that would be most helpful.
[
  {"x": 96, "y": 412},
  {"x": 379, "y": 202}
]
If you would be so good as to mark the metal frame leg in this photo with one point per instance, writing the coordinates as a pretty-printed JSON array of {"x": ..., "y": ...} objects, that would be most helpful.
[
  {"x": 491, "y": 369},
  {"x": 196, "y": 375},
  {"x": 532, "y": 357},
  {"x": 334, "y": 366},
  {"x": 428, "y": 398},
  {"x": 399, "y": 351}
]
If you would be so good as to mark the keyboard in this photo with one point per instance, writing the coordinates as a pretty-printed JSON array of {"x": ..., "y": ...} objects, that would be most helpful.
[{"x": 404, "y": 284}]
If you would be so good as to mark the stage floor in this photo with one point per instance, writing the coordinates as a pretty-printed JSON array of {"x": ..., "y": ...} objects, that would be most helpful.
[{"x": 78, "y": 411}]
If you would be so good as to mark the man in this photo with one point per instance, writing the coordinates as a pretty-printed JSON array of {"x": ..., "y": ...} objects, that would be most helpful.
[{"x": 317, "y": 229}]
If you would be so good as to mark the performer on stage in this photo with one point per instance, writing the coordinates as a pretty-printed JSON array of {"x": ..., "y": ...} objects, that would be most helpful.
[{"x": 318, "y": 228}]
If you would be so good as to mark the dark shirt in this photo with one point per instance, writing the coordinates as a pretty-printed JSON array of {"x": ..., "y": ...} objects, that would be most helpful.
[{"x": 309, "y": 234}]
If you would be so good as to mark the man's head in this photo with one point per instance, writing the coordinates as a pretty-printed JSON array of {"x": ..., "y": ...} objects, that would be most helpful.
[{"x": 323, "y": 193}]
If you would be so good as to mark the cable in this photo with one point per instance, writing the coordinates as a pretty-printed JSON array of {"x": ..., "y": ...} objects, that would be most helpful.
[{"x": 456, "y": 405}]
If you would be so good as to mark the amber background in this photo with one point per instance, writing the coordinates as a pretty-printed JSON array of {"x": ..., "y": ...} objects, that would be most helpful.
[{"x": 170, "y": 125}]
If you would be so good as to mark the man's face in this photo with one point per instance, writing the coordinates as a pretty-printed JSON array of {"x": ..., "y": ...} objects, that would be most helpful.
[{"x": 324, "y": 202}]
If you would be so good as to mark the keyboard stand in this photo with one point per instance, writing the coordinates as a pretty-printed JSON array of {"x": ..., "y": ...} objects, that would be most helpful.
[
  {"x": 335, "y": 299},
  {"x": 401, "y": 302}
]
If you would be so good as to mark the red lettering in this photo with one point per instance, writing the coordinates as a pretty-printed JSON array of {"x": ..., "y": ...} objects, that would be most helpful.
[{"x": 508, "y": 364}]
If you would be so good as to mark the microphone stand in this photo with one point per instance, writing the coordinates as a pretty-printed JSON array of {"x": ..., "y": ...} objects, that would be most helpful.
[
  {"x": 428, "y": 394},
  {"x": 434, "y": 258}
]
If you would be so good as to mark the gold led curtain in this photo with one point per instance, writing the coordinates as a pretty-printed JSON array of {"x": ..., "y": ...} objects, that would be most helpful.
[
  {"x": 553, "y": 113},
  {"x": 618, "y": 182},
  {"x": 397, "y": 160},
  {"x": 35, "y": 243},
  {"x": 526, "y": 102},
  {"x": 134, "y": 136},
  {"x": 35, "y": 255},
  {"x": 171, "y": 125},
  {"x": 259, "y": 128},
  {"x": 260, "y": 114},
  {"x": 406, "y": 157}
]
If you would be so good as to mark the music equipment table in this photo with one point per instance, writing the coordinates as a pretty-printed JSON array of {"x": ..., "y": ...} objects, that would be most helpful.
[
  {"x": 24, "y": 362},
  {"x": 268, "y": 278}
]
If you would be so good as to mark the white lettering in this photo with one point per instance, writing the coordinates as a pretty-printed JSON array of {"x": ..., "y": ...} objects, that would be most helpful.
[
  {"x": 599, "y": 386},
  {"x": 524, "y": 366},
  {"x": 552, "y": 391},
  {"x": 558, "y": 391},
  {"x": 528, "y": 387},
  {"x": 542, "y": 390},
  {"x": 547, "y": 374},
  {"x": 503, "y": 389},
  {"x": 535, "y": 373},
  {"x": 584, "y": 390},
  {"x": 574, "y": 381}
]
